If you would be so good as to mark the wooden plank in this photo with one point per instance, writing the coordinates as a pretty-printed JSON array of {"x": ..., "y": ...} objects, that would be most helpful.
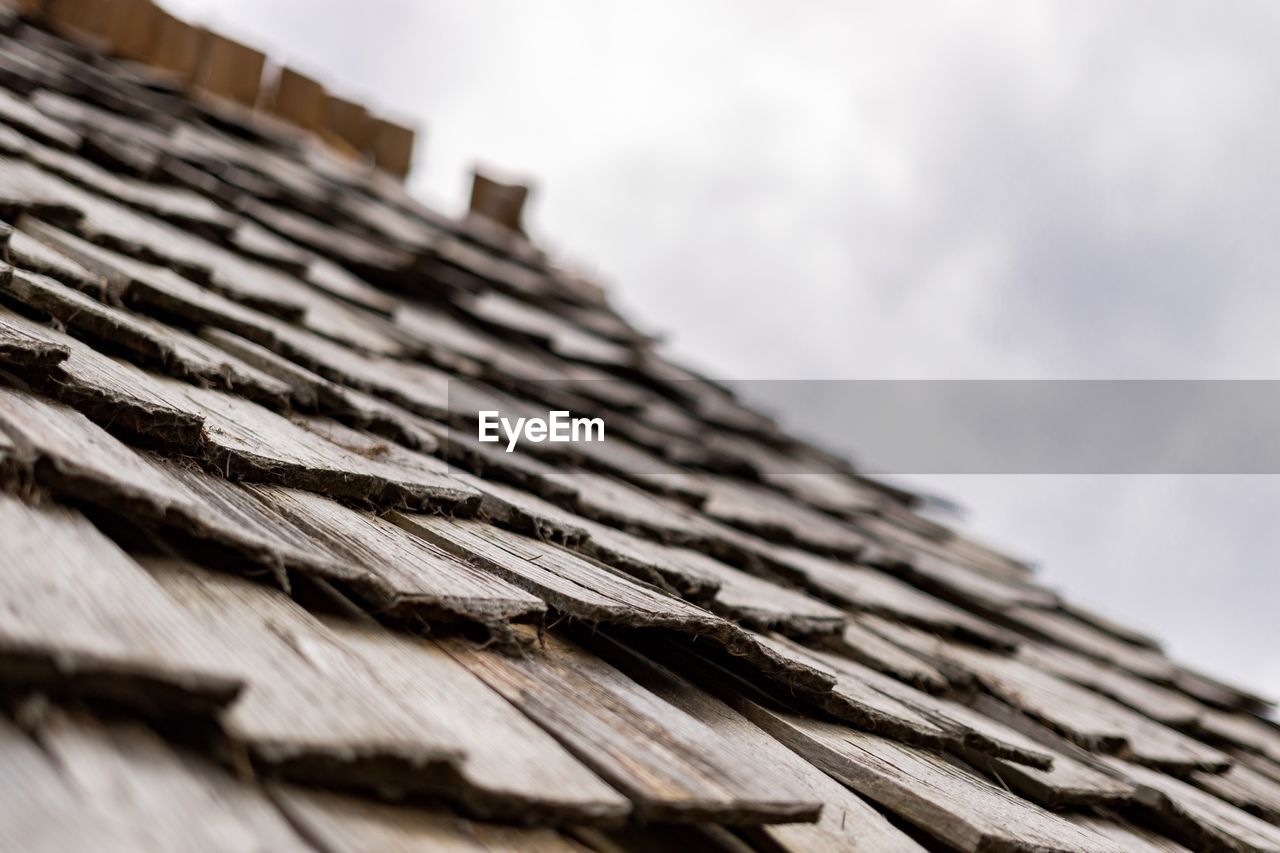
[
  {"x": 1075, "y": 779},
  {"x": 309, "y": 709},
  {"x": 392, "y": 147},
  {"x": 673, "y": 767},
  {"x": 343, "y": 245},
  {"x": 28, "y": 189},
  {"x": 74, "y": 457},
  {"x": 416, "y": 387},
  {"x": 155, "y": 289},
  {"x": 346, "y": 823},
  {"x": 936, "y": 794},
  {"x": 19, "y": 113},
  {"x": 422, "y": 578},
  {"x": 570, "y": 584},
  {"x": 245, "y": 440},
  {"x": 1081, "y": 637},
  {"x": 1246, "y": 788},
  {"x": 854, "y": 700},
  {"x": 30, "y": 254},
  {"x": 156, "y": 797},
  {"x": 174, "y": 204},
  {"x": 970, "y": 588},
  {"x": 1243, "y": 729},
  {"x": 1085, "y": 717},
  {"x": 1133, "y": 838},
  {"x": 176, "y": 352},
  {"x": 870, "y": 649},
  {"x": 1200, "y": 819},
  {"x": 39, "y": 811},
  {"x": 1217, "y": 694},
  {"x": 111, "y": 391},
  {"x": 229, "y": 69},
  {"x": 175, "y": 46},
  {"x": 846, "y": 823},
  {"x": 870, "y": 590},
  {"x": 310, "y": 391},
  {"x": 80, "y": 615},
  {"x": 228, "y": 514},
  {"x": 764, "y": 605},
  {"x": 20, "y": 348},
  {"x": 510, "y": 768},
  {"x": 779, "y": 518},
  {"x": 1159, "y": 703},
  {"x": 299, "y": 99}
]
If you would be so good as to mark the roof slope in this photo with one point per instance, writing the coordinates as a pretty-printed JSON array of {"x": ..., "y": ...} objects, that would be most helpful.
[{"x": 262, "y": 589}]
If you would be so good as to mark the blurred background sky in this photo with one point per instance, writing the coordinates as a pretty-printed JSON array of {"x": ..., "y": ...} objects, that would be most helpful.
[{"x": 826, "y": 190}]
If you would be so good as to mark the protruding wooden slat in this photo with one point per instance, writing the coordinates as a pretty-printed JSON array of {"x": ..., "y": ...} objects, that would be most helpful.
[
  {"x": 299, "y": 99},
  {"x": 349, "y": 122},
  {"x": 229, "y": 69},
  {"x": 498, "y": 202},
  {"x": 175, "y": 46},
  {"x": 392, "y": 147}
]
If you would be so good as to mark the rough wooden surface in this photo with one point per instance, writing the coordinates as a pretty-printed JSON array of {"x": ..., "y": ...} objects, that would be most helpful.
[
  {"x": 81, "y": 615},
  {"x": 672, "y": 766},
  {"x": 568, "y": 583},
  {"x": 164, "y": 347},
  {"x": 1205, "y": 821},
  {"x": 860, "y": 643},
  {"x": 158, "y": 798},
  {"x": 78, "y": 459},
  {"x": 847, "y": 822},
  {"x": 309, "y": 707},
  {"x": 1089, "y": 719},
  {"x": 422, "y": 578},
  {"x": 510, "y": 768},
  {"x": 934, "y": 793}
]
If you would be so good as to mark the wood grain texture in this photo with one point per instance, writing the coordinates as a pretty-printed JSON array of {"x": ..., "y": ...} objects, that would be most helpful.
[
  {"x": 1202, "y": 820},
  {"x": 81, "y": 615},
  {"x": 421, "y": 577},
  {"x": 20, "y": 348},
  {"x": 568, "y": 583},
  {"x": 1075, "y": 780},
  {"x": 153, "y": 343},
  {"x": 111, "y": 391},
  {"x": 157, "y": 798},
  {"x": 846, "y": 823},
  {"x": 1085, "y": 717},
  {"x": 246, "y": 440},
  {"x": 39, "y": 810},
  {"x": 860, "y": 643},
  {"x": 936, "y": 794},
  {"x": 510, "y": 768},
  {"x": 74, "y": 457},
  {"x": 309, "y": 708},
  {"x": 1067, "y": 631},
  {"x": 673, "y": 767}
]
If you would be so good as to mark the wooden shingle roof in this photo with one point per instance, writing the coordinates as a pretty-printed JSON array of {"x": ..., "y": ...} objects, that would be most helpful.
[{"x": 262, "y": 589}]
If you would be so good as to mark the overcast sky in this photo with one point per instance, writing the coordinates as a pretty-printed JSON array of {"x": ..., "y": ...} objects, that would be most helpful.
[{"x": 897, "y": 190}]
